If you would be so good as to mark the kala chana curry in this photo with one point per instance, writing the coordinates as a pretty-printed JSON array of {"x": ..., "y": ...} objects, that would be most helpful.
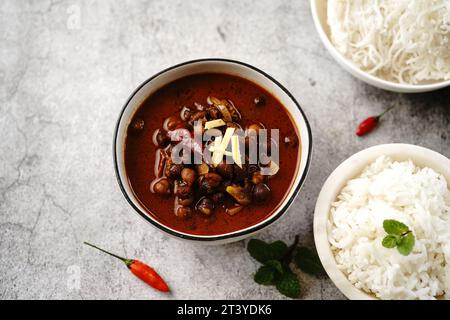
[{"x": 173, "y": 177}]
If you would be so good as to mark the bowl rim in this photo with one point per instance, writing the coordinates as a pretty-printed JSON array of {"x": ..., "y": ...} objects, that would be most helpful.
[
  {"x": 230, "y": 235},
  {"x": 322, "y": 208},
  {"x": 362, "y": 75}
]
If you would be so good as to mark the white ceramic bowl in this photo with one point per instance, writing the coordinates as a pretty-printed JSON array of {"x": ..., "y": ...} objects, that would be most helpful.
[
  {"x": 319, "y": 13},
  {"x": 242, "y": 70},
  {"x": 350, "y": 169}
]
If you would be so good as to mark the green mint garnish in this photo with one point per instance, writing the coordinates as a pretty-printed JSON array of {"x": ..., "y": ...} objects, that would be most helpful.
[
  {"x": 390, "y": 241},
  {"x": 288, "y": 284},
  {"x": 394, "y": 227},
  {"x": 406, "y": 244},
  {"x": 308, "y": 261},
  {"x": 276, "y": 258},
  {"x": 263, "y": 252},
  {"x": 275, "y": 265},
  {"x": 399, "y": 235},
  {"x": 264, "y": 275}
]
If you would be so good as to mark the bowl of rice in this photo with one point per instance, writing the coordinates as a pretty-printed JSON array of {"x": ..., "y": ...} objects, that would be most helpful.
[
  {"x": 400, "y": 46},
  {"x": 401, "y": 182}
]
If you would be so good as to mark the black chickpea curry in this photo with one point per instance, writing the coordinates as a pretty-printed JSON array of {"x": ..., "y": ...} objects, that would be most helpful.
[{"x": 210, "y": 196}]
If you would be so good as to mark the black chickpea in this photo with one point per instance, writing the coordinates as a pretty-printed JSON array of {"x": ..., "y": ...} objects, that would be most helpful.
[
  {"x": 213, "y": 113},
  {"x": 186, "y": 202},
  {"x": 239, "y": 173},
  {"x": 162, "y": 139},
  {"x": 210, "y": 182},
  {"x": 251, "y": 169},
  {"x": 225, "y": 170},
  {"x": 173, "y": 171},
  {"x": 184, "y": 212},
  {"x": 183, "y": 191},
  {"x": 198, "y": 115},
  {"x": 186, "y": 114},
  {"x": 218, "y": 197},
  {"x": 171, "y": 123},
  {"x": 162, "y": 187},
  {"x": 205, "y": 206},
  {"x": 188, "y": 175},
  {"x": 261, "y": 193}
]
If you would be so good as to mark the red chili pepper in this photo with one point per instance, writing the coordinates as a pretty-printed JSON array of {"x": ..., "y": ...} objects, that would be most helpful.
[
  {"x": 140, "y": 270},
  {"x": 366, "y": 126},
  {"x": 369, "y": 124}
]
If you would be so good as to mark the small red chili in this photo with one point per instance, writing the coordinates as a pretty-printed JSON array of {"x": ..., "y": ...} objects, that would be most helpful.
[
  {"x": 140, "y": 270},
  {"x": 369, "y": 124}
]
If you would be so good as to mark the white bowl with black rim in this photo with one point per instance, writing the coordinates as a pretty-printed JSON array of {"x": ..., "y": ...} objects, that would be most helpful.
[{"x": 224, "y": 66}]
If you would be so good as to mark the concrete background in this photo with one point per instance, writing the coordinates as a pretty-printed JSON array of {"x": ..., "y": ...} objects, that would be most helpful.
[{"x": 66, "y": 68}]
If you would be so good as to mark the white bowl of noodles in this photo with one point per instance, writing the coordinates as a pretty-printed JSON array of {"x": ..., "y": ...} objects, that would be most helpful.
[{"x": 393, "y": 82}]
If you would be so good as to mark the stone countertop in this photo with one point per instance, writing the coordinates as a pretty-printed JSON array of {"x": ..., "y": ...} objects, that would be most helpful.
[{"x": 67, "y": 67}]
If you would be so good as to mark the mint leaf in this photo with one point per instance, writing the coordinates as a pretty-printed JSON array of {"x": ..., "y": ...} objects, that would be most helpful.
[
  {"x": 398, "y": 236},
  {"x": 406, "y": 244},
  {"x": 264, "y": 275},
  {"x": 263, "y": 252},
  {"x": 390, "y": 241},
  {"x": 308, "y": 261},
  {"x": 277, "y": 250},
  {"x": 275, "y": 265},
  {"x": 288, "y": 285},
  {"x": 395, "y": 227}
]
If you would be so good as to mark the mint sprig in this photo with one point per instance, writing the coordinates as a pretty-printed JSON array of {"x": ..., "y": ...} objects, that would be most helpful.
[
  {"x": 276, "y": 258},
  {"x": 398, "y": 235}
]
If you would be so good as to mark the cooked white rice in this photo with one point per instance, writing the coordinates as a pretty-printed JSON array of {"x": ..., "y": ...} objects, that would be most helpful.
[{"x": 418, "y": 197}]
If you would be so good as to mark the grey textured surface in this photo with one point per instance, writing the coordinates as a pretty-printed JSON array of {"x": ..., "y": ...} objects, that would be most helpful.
[{"x": 66, "y": 68}]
